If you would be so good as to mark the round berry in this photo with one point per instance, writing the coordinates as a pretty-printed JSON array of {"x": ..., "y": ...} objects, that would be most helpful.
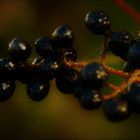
[
  {"x": 48, "y": 69},
  {"x": 90, "y": 99},
  {"x": 62, "y": 37},
  {"x": 133, "y": 97},
  {"x": 44, "y": 46},
  {"x": 7, "y": 68},
  {"x": 67, "y": 80},
  {"x": 19, "y": 49},
  {"x": 134, "y": 55},
  {"x": 97, "y": 22},
  {"x": 38, "y": 89},
  {"x": 120, "y": 43},
  {"x": 116, "y": 109},
  {"x": 7, "y": 89},
  {"x": 94, "y": 75}
]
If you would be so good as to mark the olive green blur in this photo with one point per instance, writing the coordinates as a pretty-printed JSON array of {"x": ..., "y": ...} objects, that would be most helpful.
[{"x": 60, "y": 116}]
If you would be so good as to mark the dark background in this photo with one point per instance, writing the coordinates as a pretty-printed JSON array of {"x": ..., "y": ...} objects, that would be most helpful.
[{"x": 60, "y": 116}]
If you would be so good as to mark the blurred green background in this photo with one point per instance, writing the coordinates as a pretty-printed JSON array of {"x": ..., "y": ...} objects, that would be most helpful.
[{"x": 60, "y": 116}]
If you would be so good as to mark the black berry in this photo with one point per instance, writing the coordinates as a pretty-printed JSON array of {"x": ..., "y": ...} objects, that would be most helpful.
[
  {"x": 120, "y": 43},
  {"x": 134, "y": 55},
  {"x": 90, "y": 99},
  {"x": 38, "y": 89},
  {"x": 19, "y": 49},
  {"x": 116, "y": 109},
  {"x": 7, "y": 68},
  {"x": 97, "y": 22},
  {"x": 94, "y": 75},
  {"x": 44, "y": 46},
  {"x": 7, "y": 89},
  {"x": 62, "y": 37},
  {"x": 67, "y": 80}
]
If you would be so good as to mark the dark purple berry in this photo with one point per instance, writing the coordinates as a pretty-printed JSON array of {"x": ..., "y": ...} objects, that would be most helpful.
[
  {"x": 133, "y": 97},
  {"x": 67, "y": 80},
  {"x": 48, "y": 69},
  {"x": 19, "y": 49},
  {"x": 7, "y": 68},
  {"x": 38, "y": 89},
  {"x": 44, "y": 46},
  {"x": 116, "y": 109},
  {"x": 7, "y": 89},
  {"x": 90, "y": 99},
  {"x": 62, "y": 37},
  {"x": 134, "y": 55},
  {"x": 120, "y": 43},
  {"x": 97, "y": 22},
  {"x": 94, "y": 75}
]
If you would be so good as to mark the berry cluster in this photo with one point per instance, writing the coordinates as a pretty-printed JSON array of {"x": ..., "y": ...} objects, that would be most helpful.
[{"x": 57, "y": 60}]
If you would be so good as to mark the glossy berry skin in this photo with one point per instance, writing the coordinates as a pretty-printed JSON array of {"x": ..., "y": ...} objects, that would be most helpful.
[
  {"x": 133, "y": 97},
  {"x": 134, "y": 54},
  {"x": 7, "y": 89},
  {"x": 44, "y": 46},
  {"x": 116, "y": 109},
  {"x": 38, "y": 89},
  {"x": 94, "y": 75},
  {"x": 62, "y": 37},
  {"x": 90, "y": 99},
  {"x": 19, "y": 49},
  {"x": 120, "y": 43},
  {"x": 66, "y": 81},
  {"x": 7, "y": 68},
  {"x": 48, "y": 69},
  {"x": 97, "y": 22},
  {"x": 70, "y": 54}
]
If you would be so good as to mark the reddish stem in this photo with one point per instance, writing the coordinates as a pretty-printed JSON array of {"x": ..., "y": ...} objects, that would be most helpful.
[
  {"x": 110, "y": 85},
  {"x": 128, "y": 9}
]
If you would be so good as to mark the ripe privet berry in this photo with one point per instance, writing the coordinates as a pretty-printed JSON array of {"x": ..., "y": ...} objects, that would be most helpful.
[
  {"x": 90, "y": 99},
  {"x": 7, "y": 68},
  {"x": 97, "y": 22},
  {"x": 133, "y": 97},
  {"x": 19, "y": 49},
  {"x": 48, "y": 69},
  {"x": 94, "y": 75},
  {"x": 7, "y": 89},
  {"x": 116, "y": 109},
  {"x": 67, "y": 80},
  {"x": 38, "y": 89},
  {"x": 44, "y": 46},
  {"x": 62, "y": 37},
  {"x": 120, "y": 43},
  {"x": 134, "y": 55}
]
